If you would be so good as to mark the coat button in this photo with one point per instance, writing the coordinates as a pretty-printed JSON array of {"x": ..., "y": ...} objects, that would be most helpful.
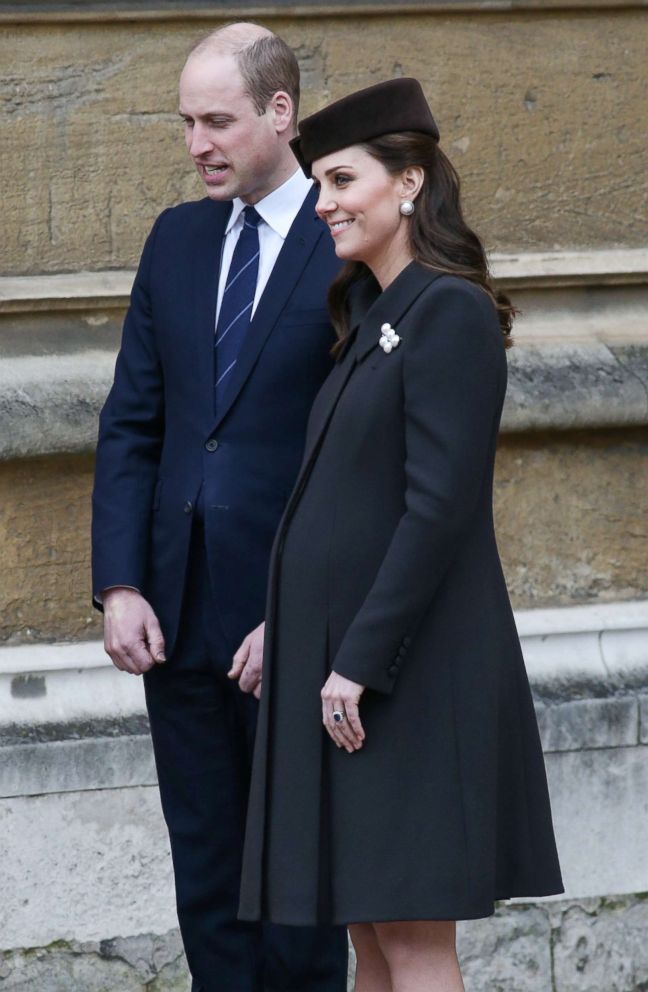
[
  {"x": 407, "y": 641},
  {"x": 393, "y": 671},
  {"x": 212, "y": 444},
  {"x": 402, "y": 652},
  {"x": 188, "y": 507}
]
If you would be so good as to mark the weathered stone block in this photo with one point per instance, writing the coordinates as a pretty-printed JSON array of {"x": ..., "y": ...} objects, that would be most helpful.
[
  {"x": 91, "y": 148},
  {"x": 600, "y": 807},
  {"x": 84, "y": 866},
  {"x": 509, "y": 952},
  {"x": 589, "y": 723},
  {"x": 602, "y": 947},
  {"x": 76, "y": 765},
  {"x": 144, "y": 963},
  {"x": 571, "y": 517},
  {"x": 571, "y": 385},
  {"x": 45, "y": 540},
  {"x": 643, "y": 719}
]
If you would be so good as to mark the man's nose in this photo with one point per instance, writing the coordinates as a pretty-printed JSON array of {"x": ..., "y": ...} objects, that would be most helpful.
[{"x": 200, "y": 142}]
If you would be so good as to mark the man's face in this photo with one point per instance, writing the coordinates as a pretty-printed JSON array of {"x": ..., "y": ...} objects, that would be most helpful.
[{"x": 235, "y": 150}]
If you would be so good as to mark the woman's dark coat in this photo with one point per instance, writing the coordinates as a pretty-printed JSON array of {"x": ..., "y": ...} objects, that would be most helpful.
[{"x": 385, "y": 569}]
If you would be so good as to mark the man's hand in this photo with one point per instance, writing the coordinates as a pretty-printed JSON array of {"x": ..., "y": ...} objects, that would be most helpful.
[
  {"x": 248, "y": 662},
  {"x": 132, "y": 635}
]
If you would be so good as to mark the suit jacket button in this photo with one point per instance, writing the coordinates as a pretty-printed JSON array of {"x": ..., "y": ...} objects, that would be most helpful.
[
  {"x": 212, "y": 444},
  {"x": 393, "y": 671},
  {"x": 402, "y": 652},
  {"x": 188, "y": 507},
  {"x": 407, "y": 641}
]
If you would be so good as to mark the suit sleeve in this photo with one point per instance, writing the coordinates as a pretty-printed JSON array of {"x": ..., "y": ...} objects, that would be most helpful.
[
  {"x": 128, "y": 450},
  {"x": 454, "y": 379}
]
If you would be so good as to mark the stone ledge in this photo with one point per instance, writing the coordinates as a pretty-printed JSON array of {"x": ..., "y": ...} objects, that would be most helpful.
[
  {"x": 568, "y": 946},
  {"x": 76, "y": 766},
  {"x": 597, "y": 650},
  {"x": 108, "y": 288},
  {"x": 50, "y": 404},
  {"x": 586, "y": 724},
  {"x": 177, "y": 10},
  {"x": 92, "y": 761}
]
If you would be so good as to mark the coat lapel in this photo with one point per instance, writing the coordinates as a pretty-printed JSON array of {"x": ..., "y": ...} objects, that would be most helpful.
[
  {"x": 304, "y": 234},
  {"x": 369, "y": 308},
  {"x": 390, "y": 306},
  {"x": 322, "y": 412},
  {"x": 206, "y": 275}
]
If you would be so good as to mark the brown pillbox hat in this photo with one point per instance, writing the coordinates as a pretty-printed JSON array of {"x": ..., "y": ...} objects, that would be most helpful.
[{"x": 386, "y": 108}]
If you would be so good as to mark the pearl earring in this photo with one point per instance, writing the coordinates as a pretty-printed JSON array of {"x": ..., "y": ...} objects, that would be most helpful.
[{"x": 406, "y": 208}]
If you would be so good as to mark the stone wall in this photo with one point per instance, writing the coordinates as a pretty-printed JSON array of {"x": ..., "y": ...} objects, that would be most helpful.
[{"x": 541, "y": 108}]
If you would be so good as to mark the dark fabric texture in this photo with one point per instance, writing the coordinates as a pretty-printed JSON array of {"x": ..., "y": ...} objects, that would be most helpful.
[
  {"x": 159, "y": 441},
  {"x": 385, "y": 569},
  {"x": 203, "y": 731},
  {"x": 162, "y": 456},
  {"x": 385, "y": 108}
]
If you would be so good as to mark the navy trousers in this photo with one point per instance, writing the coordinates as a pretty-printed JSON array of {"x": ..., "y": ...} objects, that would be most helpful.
[{"x": 202, "y": 727}]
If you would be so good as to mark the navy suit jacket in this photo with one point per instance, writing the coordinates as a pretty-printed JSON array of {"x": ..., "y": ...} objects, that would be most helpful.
[{"x": 159, "y": 440}]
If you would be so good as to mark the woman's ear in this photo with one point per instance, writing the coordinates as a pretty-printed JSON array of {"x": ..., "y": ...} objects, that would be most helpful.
[{"x": 411, "y": 181}]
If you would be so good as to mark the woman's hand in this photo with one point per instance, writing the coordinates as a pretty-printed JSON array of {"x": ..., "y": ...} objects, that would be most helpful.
[{"x": 341, "y": 695}]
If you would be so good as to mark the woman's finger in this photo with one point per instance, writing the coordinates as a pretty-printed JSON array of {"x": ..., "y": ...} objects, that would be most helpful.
[
  {"x": 344, "y": 729},
  {"x": 327, "y": 720},
  {"x": 355, "y": 723}
]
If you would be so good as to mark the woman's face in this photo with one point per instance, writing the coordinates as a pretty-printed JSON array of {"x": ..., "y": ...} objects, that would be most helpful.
[{"x": 360, "y": 200}]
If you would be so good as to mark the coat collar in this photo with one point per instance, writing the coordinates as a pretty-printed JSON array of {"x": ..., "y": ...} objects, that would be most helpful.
[{"x": 369, "y": 308}]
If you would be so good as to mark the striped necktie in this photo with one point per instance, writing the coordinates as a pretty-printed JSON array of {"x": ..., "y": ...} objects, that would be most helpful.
[{"x": 236, "y": 305}]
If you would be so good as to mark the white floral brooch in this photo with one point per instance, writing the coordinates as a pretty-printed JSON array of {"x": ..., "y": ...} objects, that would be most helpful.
[{"x": 389, "y": 339}]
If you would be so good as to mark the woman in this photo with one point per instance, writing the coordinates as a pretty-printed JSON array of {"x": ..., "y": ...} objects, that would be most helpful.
[{"x": 423, "y": 797}]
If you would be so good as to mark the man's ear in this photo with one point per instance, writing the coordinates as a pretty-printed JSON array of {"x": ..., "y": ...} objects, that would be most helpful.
[{"x": 281, "y": 111}]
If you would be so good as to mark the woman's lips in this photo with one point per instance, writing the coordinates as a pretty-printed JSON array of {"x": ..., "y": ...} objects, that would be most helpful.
[{"x": 340, "y": 225}]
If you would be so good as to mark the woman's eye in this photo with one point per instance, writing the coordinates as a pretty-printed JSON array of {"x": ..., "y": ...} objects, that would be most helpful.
[{"x": 341, "y": 179}]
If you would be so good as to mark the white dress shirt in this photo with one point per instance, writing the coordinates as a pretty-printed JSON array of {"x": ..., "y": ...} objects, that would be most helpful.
[{"x": 277, "y": 211}]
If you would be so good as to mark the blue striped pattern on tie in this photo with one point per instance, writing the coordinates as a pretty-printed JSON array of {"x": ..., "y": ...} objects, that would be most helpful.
[{"x": 236, "y": 305}]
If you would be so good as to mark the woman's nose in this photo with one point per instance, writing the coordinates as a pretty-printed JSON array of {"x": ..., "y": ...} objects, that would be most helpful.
[{"x": 325, "y": 205}]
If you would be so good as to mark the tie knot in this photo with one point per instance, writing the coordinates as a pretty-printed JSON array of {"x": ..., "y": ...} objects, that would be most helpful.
[{"x": 251, "y": 217}]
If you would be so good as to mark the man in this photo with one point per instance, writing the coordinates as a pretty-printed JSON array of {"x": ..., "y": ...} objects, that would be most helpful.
[{"x": 225, "y": 344}]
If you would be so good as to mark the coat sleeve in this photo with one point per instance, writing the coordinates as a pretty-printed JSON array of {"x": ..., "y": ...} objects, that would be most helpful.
[
  {"x": 454, "y": 380},
  {"x": 128, "y": 449}
]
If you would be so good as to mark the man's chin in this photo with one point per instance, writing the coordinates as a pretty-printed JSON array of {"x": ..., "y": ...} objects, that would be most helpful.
[{"x": 219, "y": 193}]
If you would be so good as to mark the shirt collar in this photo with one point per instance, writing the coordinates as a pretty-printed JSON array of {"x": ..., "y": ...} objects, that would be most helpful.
[{"x": 280, "y": 207}]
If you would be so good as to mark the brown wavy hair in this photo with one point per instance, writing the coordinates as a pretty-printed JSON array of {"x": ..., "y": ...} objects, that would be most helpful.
[{"x": 439, "y": 236}]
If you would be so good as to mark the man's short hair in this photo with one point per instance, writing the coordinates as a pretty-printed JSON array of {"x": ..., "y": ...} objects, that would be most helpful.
[{"x": 269, "y": 65}]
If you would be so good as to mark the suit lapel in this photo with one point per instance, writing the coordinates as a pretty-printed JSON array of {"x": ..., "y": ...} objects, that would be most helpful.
[
  {"x": 304, "y": 234},
  {"x": 206, "y": 275}
]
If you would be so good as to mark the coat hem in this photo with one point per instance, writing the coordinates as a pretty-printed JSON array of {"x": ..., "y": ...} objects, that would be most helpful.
[{"x": 452, "y": 913}]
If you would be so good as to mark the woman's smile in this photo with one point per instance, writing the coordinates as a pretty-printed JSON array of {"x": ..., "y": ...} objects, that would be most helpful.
[{"x": 340, "y": 225}]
